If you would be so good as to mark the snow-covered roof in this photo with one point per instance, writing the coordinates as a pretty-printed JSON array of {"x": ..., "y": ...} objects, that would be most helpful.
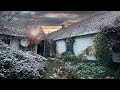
[
  {"x": 86, "y": 26},
  {"x": 6, "y": 31},
  {"x": 19, "y": 28}
]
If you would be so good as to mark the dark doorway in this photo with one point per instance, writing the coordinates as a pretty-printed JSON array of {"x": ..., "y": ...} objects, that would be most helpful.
[
  {"x": 40, "y": 49},
  {"x": 6, "y": 41}
]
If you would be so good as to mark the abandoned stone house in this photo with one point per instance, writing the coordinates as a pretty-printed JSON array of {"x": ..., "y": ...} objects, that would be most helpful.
[
  {"x": 78, "y": 37},
  {"x": 20, "y": 38}
]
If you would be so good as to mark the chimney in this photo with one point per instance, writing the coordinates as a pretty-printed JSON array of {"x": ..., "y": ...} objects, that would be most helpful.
[{"x": 63, "y": 26}]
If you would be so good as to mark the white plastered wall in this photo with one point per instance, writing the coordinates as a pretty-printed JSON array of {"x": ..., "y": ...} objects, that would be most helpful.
[
  {"x": 14, "y": 43},
  {"x": 60, "y": 46},
  {"x": 81, "y": 43}
]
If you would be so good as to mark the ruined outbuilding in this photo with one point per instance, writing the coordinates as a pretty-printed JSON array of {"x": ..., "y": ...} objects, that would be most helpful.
[{"x": 21, "y": 36}]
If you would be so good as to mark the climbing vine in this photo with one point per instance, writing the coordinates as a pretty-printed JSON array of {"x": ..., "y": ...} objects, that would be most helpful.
[
  {"x": 89, "y": 51},
  {"x": 102, "y": 48},
  {"x": 51, "y": 47},
  {"x": 69, "y": 45}
]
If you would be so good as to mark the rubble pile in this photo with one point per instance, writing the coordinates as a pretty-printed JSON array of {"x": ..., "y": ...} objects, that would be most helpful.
[{"x": 20, "y": 65}]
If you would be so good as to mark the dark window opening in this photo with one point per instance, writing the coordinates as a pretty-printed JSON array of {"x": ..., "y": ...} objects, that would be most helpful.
[
  {"x": 69, "y": 45},
  {"x": 43, "y": 48},
  {"x": 6, "y": 41},
  {"x": 40, "y": 48}
]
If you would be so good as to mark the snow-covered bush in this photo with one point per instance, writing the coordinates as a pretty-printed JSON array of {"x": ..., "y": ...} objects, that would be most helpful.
[
  {"x": 71, "y": 58},
  {"x": 91, "y": 70},
  {"x": 20, "y": 65}
]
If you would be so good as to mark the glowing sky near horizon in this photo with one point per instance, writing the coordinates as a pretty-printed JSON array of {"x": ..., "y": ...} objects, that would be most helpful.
[
  {"x": 52, "y": 20},
  {"x": 49, "y": 29}
]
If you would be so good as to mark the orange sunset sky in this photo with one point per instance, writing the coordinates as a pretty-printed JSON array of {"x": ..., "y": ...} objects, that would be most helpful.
[
  {"x": 49, "y": 29},
  {"x": 51, "y": 21}
]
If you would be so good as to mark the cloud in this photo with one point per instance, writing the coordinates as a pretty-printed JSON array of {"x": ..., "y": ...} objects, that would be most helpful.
[
  {"x": 37, "y": 17},
  {"x": 55, "y": 18},
  {"x": 60, "y": 15},
  {"x": 69, "y": 22},
  {"x": 28, "y": 12},
  {"x": 52, "y": 20}
]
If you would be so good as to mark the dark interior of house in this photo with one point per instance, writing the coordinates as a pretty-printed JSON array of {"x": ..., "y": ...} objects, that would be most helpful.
[{"x": 40, "y": 49}]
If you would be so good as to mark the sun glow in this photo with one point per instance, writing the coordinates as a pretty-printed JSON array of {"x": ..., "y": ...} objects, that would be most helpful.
[{"x": 34, "y": 32}]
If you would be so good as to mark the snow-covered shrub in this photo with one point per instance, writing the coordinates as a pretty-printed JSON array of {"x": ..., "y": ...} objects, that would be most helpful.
[
  {"x": 93, "y": 70},
  {"x": 71, "y": 58},
  {"x": 20, "y": 65},
  {"x": 71, "y": 69},
  {"x": 90, "y": 70}
]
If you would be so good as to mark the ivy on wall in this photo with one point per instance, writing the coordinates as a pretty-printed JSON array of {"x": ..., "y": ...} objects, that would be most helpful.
[
  {"x": 89, "y": 51},
  {"x": 50, "y": 47},
  {"x": 102, "y": 48},
  {"x": 47, "y": 48},
  {"x": 69, "y": 45}
]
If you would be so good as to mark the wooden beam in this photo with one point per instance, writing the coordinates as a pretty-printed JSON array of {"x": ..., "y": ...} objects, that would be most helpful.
[{"x": 34, "y": 48}]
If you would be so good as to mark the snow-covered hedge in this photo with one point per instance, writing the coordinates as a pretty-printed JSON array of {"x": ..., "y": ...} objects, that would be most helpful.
[
  {"x": 91, "y": 70},
  {"x": 20, "y": 65}
]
